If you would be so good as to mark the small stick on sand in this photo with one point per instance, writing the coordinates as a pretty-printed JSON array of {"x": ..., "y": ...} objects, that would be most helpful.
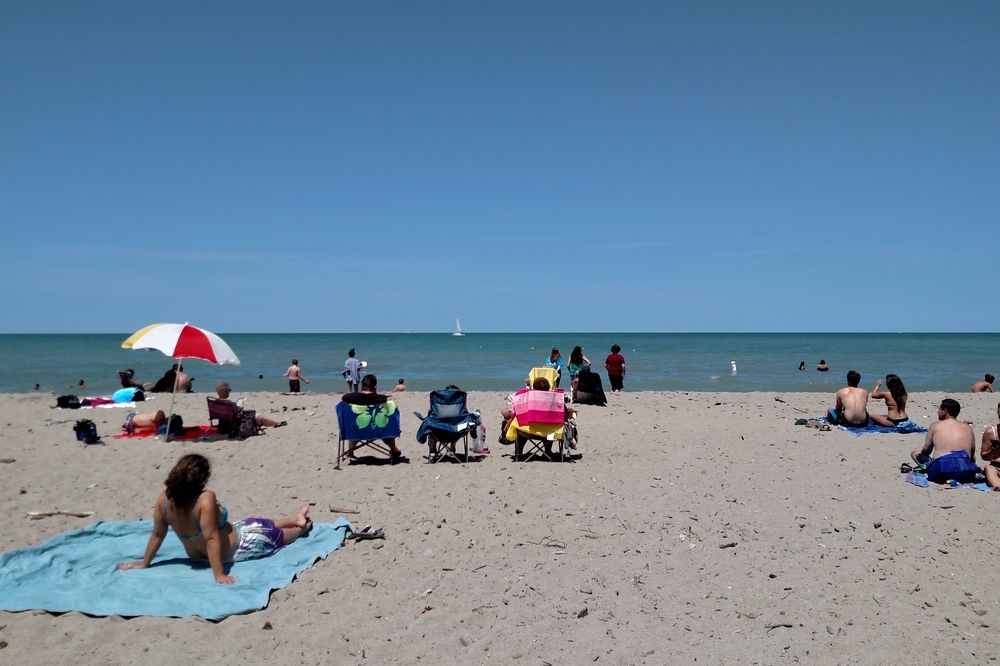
[
  {"x": 334, "y": 509},
  {"x": 36, "y": 515}
]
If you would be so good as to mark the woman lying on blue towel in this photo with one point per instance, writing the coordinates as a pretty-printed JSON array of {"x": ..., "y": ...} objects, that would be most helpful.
[{"x": 202, "y": 523}]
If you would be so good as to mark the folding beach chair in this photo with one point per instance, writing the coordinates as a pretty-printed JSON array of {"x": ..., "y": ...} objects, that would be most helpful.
[
  {"x": 223, "y": 415},
  {"x": 125, "y": 379},
  {"x": 447, "y": 423},
  {"x": 539, "y": 422},
  {"x": 367, "y": 425},
  {"x": 551, "y": 374},
  {"x": 228, "y": 417}
]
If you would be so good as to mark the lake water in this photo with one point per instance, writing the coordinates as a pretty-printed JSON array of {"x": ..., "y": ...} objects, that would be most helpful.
[{"x": 499, "y": 361}]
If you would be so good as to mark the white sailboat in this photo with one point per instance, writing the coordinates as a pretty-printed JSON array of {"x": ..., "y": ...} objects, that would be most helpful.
[{"x": 458, "y": 330}]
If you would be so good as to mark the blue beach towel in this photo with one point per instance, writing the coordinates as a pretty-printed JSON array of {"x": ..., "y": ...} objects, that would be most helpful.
[
  {"x": 77, "y": 571},
  {"x": 904, "y": 428},
  {"x": 920, "y": 480}
]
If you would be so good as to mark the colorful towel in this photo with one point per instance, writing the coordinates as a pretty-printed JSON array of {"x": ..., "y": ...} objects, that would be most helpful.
[
  {"x": 904, "y": 428},
  {"x": 532, "y": 406},
  {"x": 77, "y": 571},
  {"x": 191, "y": 432}
]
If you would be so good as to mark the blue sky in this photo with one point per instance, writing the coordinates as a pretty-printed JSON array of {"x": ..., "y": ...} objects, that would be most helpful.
[{"x": 370, "y": 167}]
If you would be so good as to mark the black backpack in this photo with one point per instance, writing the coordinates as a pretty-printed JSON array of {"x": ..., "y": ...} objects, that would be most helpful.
[
  {"x": 86, "y": 431},
  {"x": 68, "y": 402}
]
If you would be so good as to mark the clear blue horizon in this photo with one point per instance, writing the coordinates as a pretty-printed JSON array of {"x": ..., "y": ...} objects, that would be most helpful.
[{"x": 591, "y": 166}]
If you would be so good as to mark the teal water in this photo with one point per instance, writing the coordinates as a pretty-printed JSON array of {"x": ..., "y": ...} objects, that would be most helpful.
[{"x": 499, "y": 361}]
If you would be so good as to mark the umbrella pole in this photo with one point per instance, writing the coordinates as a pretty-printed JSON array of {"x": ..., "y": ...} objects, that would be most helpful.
[{"x": 173, "y": 394}]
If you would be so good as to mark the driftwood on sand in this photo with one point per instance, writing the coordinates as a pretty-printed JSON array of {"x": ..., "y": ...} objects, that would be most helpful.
[{"x": 37, "y": 515}]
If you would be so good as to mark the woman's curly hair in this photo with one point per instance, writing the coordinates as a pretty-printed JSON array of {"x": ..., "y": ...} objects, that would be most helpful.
[{"x": 188, "y": 478}]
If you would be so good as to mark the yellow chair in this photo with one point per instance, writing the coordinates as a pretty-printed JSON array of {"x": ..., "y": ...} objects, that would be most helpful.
[
  {"x": 549, "y": 374},
  {"x": 540, "y": 436}
]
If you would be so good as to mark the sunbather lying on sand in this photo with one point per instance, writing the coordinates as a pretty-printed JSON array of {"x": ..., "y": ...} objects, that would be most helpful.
[
  {"x": 143, "y": 422},
  {"x": 202, "y": 523}
]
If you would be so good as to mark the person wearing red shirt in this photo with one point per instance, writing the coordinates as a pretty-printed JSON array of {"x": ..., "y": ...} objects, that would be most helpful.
[{"x": 615, "y": 365}]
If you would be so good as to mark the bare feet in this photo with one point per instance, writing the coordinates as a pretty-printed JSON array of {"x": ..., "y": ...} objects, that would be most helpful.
[{"x": 302, "y": 517}]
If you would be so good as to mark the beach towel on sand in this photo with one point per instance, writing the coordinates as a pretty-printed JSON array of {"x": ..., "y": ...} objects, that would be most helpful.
[
  {"x": 920, "y": 480},
  {"x": 77, "y": 571},
  {"x": 190, "y": 432},
  {"x": 904, "y": 428}
]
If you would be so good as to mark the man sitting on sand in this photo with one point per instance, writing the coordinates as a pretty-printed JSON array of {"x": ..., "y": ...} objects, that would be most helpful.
[
  {"x": 222, "y": 388},
  {"x": 947, "y": 436},
  {"x": 984, "y": 386},
  {"x": 368, "y": 395},
  {"x": 851, "y": 410},
  {"x": 173, "y": 378},
  {"x": 294, "y": 374},
  {"x": 400, "y": 387}
]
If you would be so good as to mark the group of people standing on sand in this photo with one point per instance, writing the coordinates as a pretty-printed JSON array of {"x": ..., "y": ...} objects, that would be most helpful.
[{"x": 614, "y": 364}]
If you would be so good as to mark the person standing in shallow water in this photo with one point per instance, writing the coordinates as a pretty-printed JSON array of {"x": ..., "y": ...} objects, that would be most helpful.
[
  {"x": 352, "y": 371},
  {"x": 823, "y": 367},
  {"x": 615, "y": 365},
  {"x": 294, "y": 374}
]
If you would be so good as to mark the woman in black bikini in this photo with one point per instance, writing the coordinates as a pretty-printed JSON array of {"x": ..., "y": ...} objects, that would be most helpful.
[
  {"x": 895, "y": 402},
  {"x": 990, "y": 452}
]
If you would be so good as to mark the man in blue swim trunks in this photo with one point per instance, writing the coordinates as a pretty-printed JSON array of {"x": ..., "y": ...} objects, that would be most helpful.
[{"x": 947, "y": 435}]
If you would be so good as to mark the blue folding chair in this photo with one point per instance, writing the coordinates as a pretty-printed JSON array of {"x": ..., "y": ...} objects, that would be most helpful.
[
  {"x": 367, "y": 425},
  {"x": 448, "y": 422}
]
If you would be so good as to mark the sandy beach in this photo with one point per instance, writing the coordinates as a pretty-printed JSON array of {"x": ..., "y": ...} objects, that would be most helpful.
[{"x": 690, "y": 527}]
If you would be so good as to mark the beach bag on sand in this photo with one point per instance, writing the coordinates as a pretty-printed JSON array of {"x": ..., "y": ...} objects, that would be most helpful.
[
  {"x": 570, "y": 434},
  {"x": 248, "y": 424},
  {"x": 503, "y": 433},
  {"x": 68, "y": 402},
  {"x": 86, "y": 431},
  {"x": 954, "y": 465}
]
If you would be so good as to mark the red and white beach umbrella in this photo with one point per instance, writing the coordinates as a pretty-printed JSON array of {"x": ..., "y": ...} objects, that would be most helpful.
[{"x": 183, "y": 341}]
